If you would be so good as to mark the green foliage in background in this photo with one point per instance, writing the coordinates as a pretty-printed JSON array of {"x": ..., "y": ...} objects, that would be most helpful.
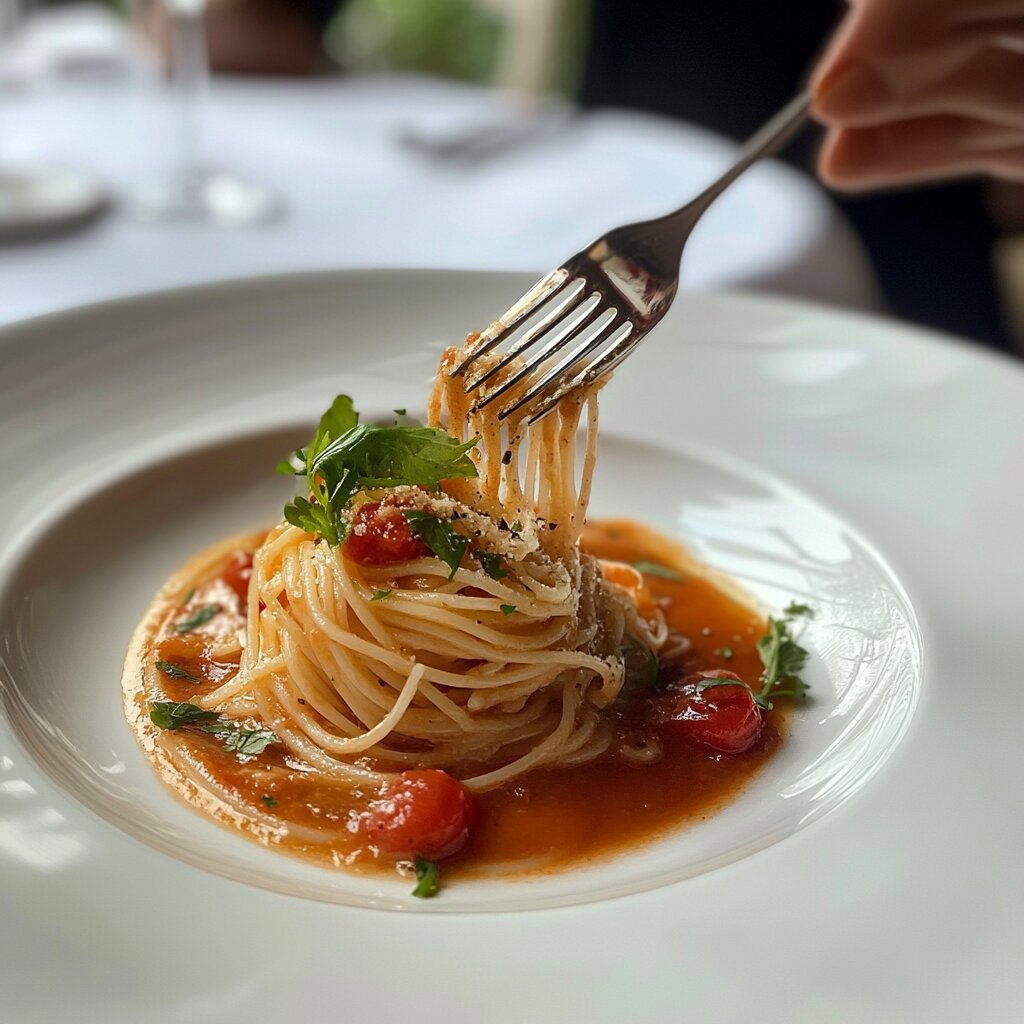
[
  {"x": 454, "y": 38},
  {"x": 451, "y": 38}
]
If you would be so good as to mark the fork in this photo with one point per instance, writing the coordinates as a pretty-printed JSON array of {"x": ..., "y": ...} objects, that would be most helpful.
[{"x": 606, "y": 298}]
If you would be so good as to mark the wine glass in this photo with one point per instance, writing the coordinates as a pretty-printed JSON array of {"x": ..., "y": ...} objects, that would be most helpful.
[
  {"x": 193, "y": 190},
  {"x": 36, "y": 200}
]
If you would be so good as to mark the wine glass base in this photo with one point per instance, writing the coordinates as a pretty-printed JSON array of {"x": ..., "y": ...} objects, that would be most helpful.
[{"x": 212, "y": 196}]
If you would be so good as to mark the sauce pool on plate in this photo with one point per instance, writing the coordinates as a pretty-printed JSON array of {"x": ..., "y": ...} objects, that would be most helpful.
[{"x": 548, "y": 820}]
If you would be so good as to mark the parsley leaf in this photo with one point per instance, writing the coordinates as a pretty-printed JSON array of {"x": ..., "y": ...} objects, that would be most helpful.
[
  {"x": 268, "y": 801},
  {"x": 656, "y": 569},
  {"x": 439, "y": 536},
  {"x": 197, "y": 618},
  {"x": 248, "y": 741},
  {"x": 314, "y": 518},
  {"x": 508, "y": 609},
  {"x": 169, "y": 714},
  {"x": 369, "y": 456},
  {"x": 491, "y": 564},
  {"x": 346, "y": 457},
  {"x": 174, "y": 715},
  {"x": 317, "y": 515},
  {"x": 338, "y": 420},
  {"x": 427, "y": 875},
  {"x": 783, "y": 659},
  {"x": 795, "y": 608},
  {"x": 176, "y": 671},
  {"x": 379, "y": 595}
]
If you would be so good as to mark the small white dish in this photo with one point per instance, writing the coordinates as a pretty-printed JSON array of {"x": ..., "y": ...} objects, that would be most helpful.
[
  {"x": 853, "y": 463},
  {"x": 38, "y": 202}
]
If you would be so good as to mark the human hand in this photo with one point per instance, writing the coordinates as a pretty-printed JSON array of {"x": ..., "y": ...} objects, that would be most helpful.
[{"x": 916, "y": 90}]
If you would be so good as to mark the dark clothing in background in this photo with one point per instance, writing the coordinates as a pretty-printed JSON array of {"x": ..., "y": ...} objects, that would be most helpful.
[{"x": 729, "y": 65}]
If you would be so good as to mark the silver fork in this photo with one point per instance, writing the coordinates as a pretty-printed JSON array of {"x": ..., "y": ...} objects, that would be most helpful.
[{"x": 606, "y": 298}]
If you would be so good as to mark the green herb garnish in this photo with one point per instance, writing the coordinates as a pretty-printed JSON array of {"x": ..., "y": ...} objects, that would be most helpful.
[
  {"x": 508, "y": 609},
  {"x": 197, "y": 618},
  {"x": 247, "y": 742},
  {"x": 439, "y": 536},
  {"x": 176, "y": 671},
  {"x": 319, "y": 515},
  {"x": 268, "y": 801},
  {"x": 427, "y": 875},
  {"x": 783, "y": 659},
  {"x": 338, "y": 420},
  {"x": 313, "y": 517},
  {"x": 655, "y": 569},
  {"x": 169, "y": 714},
  {"x": 369, "y": 456},
  {"x": 794, "y": 609},
  {"x": 346, "y": 457},
  {"x": 491, "y": 564},
  {"x": 398, "y": 412},
  {"x": 175, "y": 715},
  {"x": 379, "y": 595}
]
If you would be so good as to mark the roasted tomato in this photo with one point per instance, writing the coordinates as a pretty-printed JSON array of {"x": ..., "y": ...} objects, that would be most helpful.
[
  {"x": 380, "y": 534},
  {"x": 721, "y": 718},
  {"x": 420, "y": 814}
]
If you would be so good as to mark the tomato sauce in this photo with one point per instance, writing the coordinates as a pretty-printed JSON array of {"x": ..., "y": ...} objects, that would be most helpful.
[
  {"x": 555, "y": 818},
  {"x": 548, "y": 820}
]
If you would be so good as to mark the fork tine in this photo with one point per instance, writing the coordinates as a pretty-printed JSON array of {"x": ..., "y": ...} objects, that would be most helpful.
[
  {"x": 560, "y": 339},
  {"x": 557, "y": 312},
  {"x": 515, "y": 314},
  {"x": 608, "y": 330},
  {"x": 589, "y": 374}
]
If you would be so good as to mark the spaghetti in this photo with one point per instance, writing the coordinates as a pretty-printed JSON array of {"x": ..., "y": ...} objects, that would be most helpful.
[
  {"x": 488, "y": 667},
  {"x": 433, "y": 623}
]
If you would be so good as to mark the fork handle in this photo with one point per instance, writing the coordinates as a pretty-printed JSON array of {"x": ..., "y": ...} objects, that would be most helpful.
[{"x": 768, "y": 139}]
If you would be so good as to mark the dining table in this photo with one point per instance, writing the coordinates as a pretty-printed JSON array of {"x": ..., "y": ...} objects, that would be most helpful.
[{"x": 365, "y": 176}]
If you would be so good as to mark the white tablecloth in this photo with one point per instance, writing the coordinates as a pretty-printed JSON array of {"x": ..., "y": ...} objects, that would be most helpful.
[{"x": 355, "y": 198}]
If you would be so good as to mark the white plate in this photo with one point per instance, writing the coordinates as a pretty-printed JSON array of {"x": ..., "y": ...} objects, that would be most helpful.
[{"x": 870, "y": 875}]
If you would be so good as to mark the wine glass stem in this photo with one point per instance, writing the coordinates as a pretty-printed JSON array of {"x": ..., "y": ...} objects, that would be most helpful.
[{"x": 190, "y": 71}]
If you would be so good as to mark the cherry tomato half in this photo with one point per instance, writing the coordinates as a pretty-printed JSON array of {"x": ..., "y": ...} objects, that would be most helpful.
[
  {"x": 721, "y": 718},
  {"x": 380, "y": 534},
  {"x": 420, "y": 814}
]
